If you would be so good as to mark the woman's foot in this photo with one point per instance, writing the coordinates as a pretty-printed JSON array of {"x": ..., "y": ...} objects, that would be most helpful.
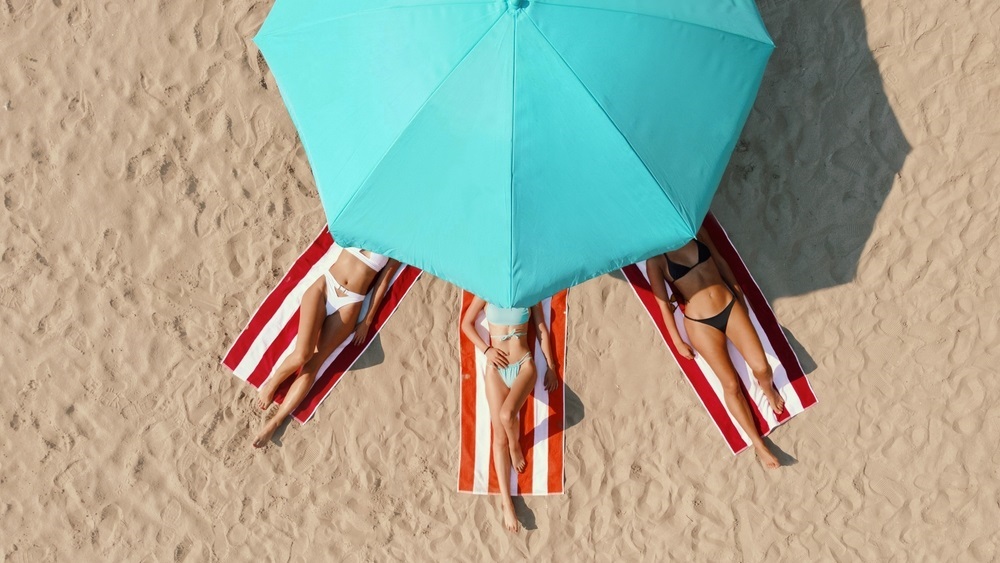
[
  {"x": 265, "y": 395},
  {"x": 517, "y": 458},
  {"x": 767, "y": 459},
  {"x": 773, "y": 397},
  {"x": 510, "y": 517},
  {"x": 265, "y": 433}
]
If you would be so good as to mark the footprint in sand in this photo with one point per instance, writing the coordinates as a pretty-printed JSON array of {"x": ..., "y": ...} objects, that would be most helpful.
[{"x": 106, "y": 531}]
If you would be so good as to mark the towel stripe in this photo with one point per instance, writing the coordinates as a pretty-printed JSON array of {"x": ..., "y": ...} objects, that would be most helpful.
[
  {"x": 281, "y": 343},
  {"x": 277, "y": 296},
  {"x": 556, "y": 413},
  {"x": 467, "y": 453},
  {"x": 271, "y": 332},
  {"x": 789, "y": 377},
  {"x": 541, "y": 418}
]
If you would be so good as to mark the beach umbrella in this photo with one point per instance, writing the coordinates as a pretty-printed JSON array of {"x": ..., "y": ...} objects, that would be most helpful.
[{"x": 516, "y": 147}]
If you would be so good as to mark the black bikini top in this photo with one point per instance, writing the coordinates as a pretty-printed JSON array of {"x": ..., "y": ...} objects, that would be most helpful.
[{"x": 678, "y": 271}]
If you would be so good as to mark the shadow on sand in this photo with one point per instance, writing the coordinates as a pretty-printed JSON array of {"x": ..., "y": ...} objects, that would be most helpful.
[
  {"x": 818, "y": 155},
  {"x": 817, "y": 158}
]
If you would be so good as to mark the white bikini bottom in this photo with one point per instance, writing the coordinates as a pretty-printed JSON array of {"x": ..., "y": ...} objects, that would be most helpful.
[{"x": 335, "y": 302}]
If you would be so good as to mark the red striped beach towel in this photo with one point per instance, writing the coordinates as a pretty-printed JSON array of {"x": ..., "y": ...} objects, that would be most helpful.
[
  {"x": 270, "y": 335},
  {"x": 542, "y": 417},
  {"x": 789, "y": 378}
]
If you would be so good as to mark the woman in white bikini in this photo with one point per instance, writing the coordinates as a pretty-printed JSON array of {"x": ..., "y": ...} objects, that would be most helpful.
[
  {"x": 509, "y": 381},
  {"x": 330, "y": 309}
]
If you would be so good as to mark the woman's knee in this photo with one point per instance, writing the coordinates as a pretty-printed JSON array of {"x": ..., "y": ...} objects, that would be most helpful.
[
  {"x": 731, "y": 386},
  {"x": 507, "y": 416},
  {"x": 760, "y": 367}
]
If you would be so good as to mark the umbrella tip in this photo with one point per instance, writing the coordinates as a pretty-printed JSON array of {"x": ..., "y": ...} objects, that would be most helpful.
[{"x": 516, "y": 4}]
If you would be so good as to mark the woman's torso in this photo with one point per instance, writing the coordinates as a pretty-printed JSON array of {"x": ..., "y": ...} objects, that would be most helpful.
[
  {"x": 504, "y": 323},
  {"x": 354, "y": 273},
  {"x": 701, "y": 287}
]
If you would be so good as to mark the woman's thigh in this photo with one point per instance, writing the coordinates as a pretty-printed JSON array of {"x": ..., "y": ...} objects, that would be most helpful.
[
  {"x": 496, "y": 394},
  {"x": 712, "y": 345},
  {"x": 744, "y": 336},
  {"x": 522, "y": 386},
  {"x": 312, "y": 314},
  {"x": 336, "y": 328}
]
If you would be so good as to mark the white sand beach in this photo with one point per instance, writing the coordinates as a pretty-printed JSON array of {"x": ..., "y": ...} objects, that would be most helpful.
[{"x": 154, "y": 190}]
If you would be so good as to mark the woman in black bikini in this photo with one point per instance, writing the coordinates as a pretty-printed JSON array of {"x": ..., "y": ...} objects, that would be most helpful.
[{"x": 715, "y": 312}]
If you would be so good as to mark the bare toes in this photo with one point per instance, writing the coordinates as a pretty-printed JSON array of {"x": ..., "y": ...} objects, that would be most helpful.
[
  {"x": 779, "y": 405},
  {"x": 517, "y": 460},
  {"x": 264, "y": 398},
  {"x": 265, "y": 434},
  {"x": 767, "y": 459},
  {"x": 510, "y": 520}
]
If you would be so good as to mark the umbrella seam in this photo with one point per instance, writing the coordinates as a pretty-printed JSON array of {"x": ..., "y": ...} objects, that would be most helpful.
[
  {"x": 420, "y": 110},
  {"x": 677, "y": 20},
  {"x": 680, "y": 212},
  {"x": 292, "y": 29},
  {"x": 510, "y": 200}
]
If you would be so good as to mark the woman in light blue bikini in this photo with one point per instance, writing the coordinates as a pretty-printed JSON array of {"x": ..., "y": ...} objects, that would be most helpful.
[
  {"x": 508, "y": 382},
  {"x": 329, "y": 311}
]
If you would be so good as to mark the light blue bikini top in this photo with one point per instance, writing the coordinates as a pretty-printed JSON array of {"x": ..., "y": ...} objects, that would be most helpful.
[{"x": 508, "y": 317}]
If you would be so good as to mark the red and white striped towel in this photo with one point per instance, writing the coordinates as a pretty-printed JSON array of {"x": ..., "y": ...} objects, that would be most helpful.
[
  {"x": 542, "y": 418},
  {"x": 270, "y": 335},
  {"x": 789, "y": 378}
]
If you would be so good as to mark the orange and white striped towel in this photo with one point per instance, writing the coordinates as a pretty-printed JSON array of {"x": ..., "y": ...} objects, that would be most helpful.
[
  {"x": 789, "y": 378},
  {"x": 542, "y": 418},
  {"x": 270, "y": 335}
]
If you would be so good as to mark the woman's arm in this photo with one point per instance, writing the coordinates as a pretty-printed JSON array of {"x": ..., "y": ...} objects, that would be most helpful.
[
  {"x": 493, "y": 355},
  {"x": 545, "y": 339},
  {"x": 654, "y": 269},
  {"x": 381, "y": 283},
  {"x": 727, "y": 274}
]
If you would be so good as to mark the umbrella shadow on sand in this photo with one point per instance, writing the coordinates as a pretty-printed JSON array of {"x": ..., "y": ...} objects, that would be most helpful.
[{"x": 818, "y": 155}]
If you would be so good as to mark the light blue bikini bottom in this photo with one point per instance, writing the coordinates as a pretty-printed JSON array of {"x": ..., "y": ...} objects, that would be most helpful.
[{"x": 509, "y": 373}]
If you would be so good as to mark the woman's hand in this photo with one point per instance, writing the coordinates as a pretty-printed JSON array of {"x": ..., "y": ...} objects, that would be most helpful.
[
  {"x": 683, "y": 348},
  {"x": 551, "y": 381},
  {"x": 497, "y": 358},
  {"x": 361, "y": 331},
  {"x": 673, "y": 303}
]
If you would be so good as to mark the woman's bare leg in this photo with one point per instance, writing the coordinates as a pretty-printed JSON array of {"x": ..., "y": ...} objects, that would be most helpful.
[
  {"x": 312, "y": 313},
  {"x": 519, "y": 392},
  {"x": 711, "y": 344},
  {"x": 741, "y": 331},
  {"x": 336, "y": 328},
  {"x": 496, "y": 394}
]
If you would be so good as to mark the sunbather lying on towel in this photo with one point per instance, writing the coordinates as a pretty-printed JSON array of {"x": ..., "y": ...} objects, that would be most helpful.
[
  {"x": 329, "y": 311},
  {"x": 715, "y": 312},
  {"x": 510, "y": 377}
]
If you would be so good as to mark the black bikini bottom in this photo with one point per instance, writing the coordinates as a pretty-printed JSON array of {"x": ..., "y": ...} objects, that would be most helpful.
[{"x": 720, "y": 321}]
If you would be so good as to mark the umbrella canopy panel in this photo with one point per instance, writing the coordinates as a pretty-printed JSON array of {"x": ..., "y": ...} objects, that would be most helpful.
[{"x": 516, "y": 149}]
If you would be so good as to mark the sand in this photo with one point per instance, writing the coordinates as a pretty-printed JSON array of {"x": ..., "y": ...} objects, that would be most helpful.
[{"x": 154, "y": 189}]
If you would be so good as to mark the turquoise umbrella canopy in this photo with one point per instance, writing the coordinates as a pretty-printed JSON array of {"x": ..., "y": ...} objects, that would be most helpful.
[{"x": 519, "y": 147}]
